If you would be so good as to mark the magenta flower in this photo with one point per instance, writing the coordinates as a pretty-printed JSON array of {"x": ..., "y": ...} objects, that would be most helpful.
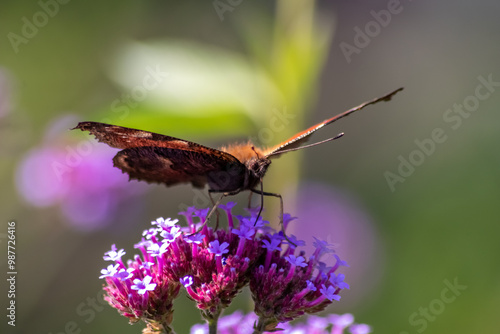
[
  {"x": 143, "y": 285},
  {"x": 217, "y": 249},
  {"x": 110, "y": 271},
  {"x": 285, "y": 286},
  {"x": 113, "y": 254},
  {"x": 360, "y": 329},
  {"x": 213, "y": 266}
]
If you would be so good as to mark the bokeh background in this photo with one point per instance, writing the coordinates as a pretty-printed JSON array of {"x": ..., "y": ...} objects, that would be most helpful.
[{"x": 409, "y": 195}]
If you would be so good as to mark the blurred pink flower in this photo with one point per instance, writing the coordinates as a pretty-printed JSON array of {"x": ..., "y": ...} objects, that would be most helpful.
[
  {"x": 342, "y": 220},
  {"x": 79, "y": 177}
]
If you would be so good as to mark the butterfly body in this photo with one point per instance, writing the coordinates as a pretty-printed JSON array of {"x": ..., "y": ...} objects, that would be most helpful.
[{"x": 255, "y": 162}]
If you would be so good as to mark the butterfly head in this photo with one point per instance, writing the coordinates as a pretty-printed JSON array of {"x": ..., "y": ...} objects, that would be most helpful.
[{"x": 258, "y": 167}]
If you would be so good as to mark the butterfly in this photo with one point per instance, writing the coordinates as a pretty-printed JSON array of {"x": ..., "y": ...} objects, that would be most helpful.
[{"x": 157, "y": 158}]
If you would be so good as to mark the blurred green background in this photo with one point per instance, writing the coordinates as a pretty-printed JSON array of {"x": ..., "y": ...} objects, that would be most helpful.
[{"x": 410, "y": 218}]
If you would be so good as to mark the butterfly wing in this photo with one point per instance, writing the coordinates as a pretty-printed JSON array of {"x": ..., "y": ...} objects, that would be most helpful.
[
  {"x": 303, "y": 136},
  {"x": 122, "y": 137},
  {"x": 172, "y": 166},
  {"x": 157, "y": 158}
]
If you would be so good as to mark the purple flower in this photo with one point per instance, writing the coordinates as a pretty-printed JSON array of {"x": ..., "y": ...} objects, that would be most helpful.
[
  {"x": 310, "y": 286},
  {"x": 165, "y": 224},
  {"x": 341, "y": 321},
  {"x": 143, "y": 243},
  {"x": 187, "y": 281},
  {"x": 113, "y": 255},
  {"x": 329, "y": 293},
  {"x": 195, "y": 238},
  {"x": 253, "y": 221},
  {"x": 124, "y": 274},
  {"x": 293, "y": 239},
  {"x": 287, "y": 218},
  {"x": 340, "y": 262},
  {"x": 150, "y": 233},
  {"x": 157, "y": 249},
  {"x": 338, "y": 281},
  {"x": 199, "y": 329},
  {"x": 170, "y": 235},
  {"x": 228, "y": 206},
  {"x": 272, "y": 245},
  {"x": 145, "y": 265},
  {"x": 143, "y": 285},
  {"x": 109, "y": 271},
  {"x": 360, "y": 329},
  {"x": 201, "y": 213},
  {"x": 217, "y": 249},
  {"x": 296, "y": 261},
  {"x": 322, "y": 246},
  {"x": 244, "y": 232}
]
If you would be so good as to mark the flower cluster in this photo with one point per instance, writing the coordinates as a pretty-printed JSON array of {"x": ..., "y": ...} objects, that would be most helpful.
[
  {"x": 239, "y": 323},
  {"x": 286, "y": 286},
  {"x": 214, "y": 265}
]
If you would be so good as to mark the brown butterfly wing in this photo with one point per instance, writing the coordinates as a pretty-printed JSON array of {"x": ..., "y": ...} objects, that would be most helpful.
[
  {"x": 303, "y": 136},
  {"x": 122, "y": 137},
  {"x": 157, "y": 158},
  {"x": 172, "y": 166}
]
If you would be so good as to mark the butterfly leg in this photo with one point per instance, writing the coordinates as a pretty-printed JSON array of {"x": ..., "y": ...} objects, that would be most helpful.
[
  {"x": 264, "y": 193},
  {"x": 250, "y": 200},
  {"x": 214, "y": 206},
  {"x": 262, "y": 201}
]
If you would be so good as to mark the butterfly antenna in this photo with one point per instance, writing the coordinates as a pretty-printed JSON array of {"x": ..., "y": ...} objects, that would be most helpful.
[
  {"x": 310, "y": 145},
  {"x": 256, "y": 153}
]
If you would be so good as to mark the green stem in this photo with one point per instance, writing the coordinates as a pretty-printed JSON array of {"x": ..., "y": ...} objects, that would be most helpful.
[
  {"x": 212, "y": 328},
  {"x": 157, "y": 328},
  {"x": 264, "y": 324},
  {"x": 212, "y": 320}
]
